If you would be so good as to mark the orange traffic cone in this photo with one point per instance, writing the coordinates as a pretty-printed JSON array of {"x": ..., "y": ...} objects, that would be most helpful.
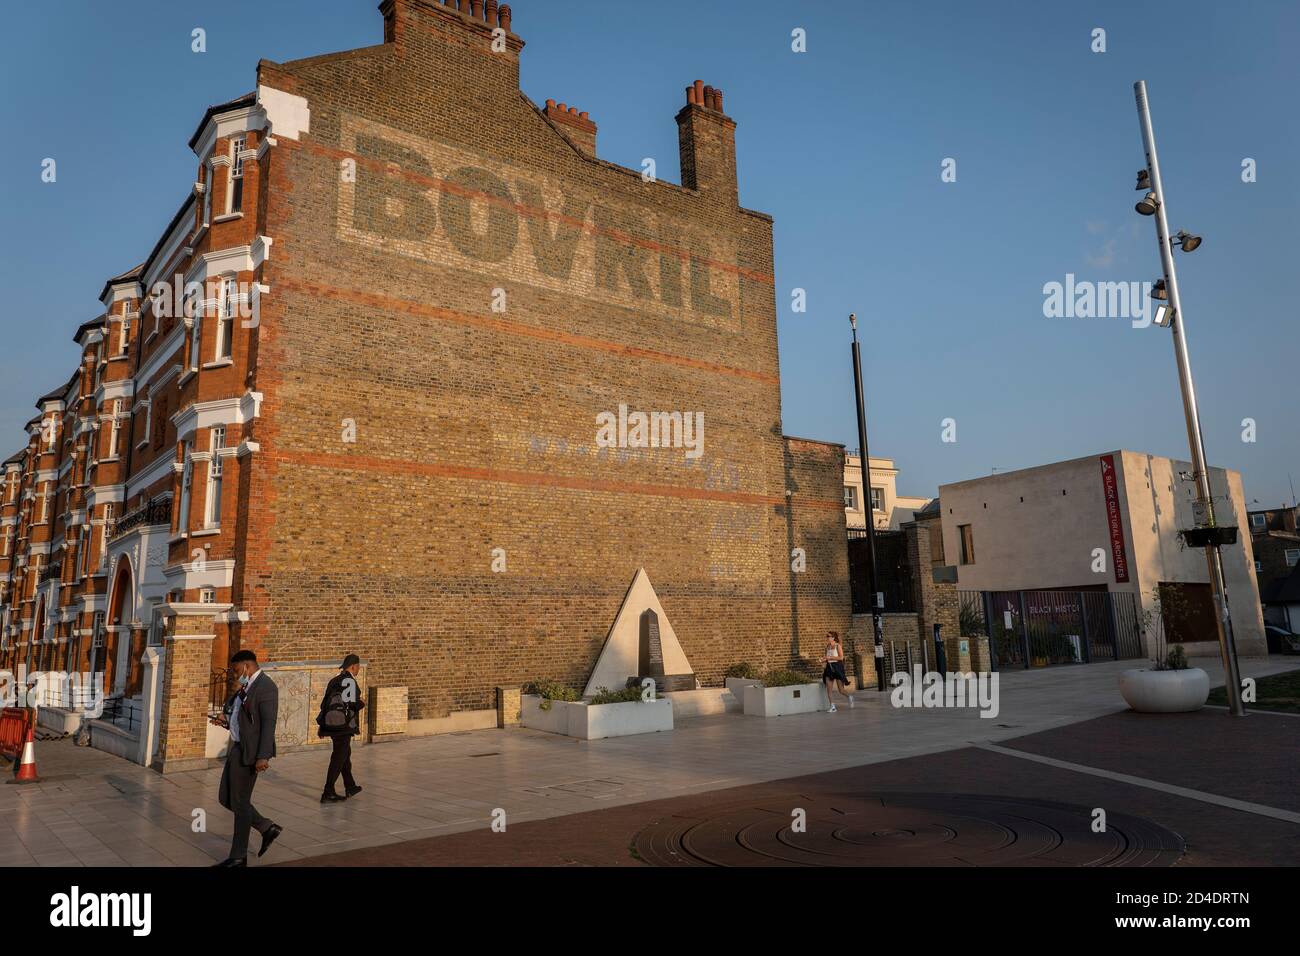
[{"x": 26, "y": 769}]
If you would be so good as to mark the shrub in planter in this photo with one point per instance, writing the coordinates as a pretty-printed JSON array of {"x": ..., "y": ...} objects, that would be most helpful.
[
  {"x": 629, "y": 695},
  {"x": 549, "y": 690},
  {"x": 742, "y": 671},
  {"x": 784, "y": 677}
]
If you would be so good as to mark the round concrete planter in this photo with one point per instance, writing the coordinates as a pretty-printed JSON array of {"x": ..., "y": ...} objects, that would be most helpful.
[{"x": 1165, "y": 692}]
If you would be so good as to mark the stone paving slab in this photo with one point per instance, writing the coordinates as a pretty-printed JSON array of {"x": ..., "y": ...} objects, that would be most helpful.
[
  {"x": 1213, "y": 835},
  {"x": 439, "y": 785}
]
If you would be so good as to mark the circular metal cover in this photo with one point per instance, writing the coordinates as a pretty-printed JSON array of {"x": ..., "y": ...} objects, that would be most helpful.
[{"x": 907, "y": 829}]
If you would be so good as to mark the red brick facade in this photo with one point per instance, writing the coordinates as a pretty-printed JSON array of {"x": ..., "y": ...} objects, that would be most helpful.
[{"x": 448, "y": 290}]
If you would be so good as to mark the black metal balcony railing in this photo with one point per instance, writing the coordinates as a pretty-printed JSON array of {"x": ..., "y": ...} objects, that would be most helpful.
[
  {"x": 154, "y": 511},
  {"x": 54, "y": 570}
]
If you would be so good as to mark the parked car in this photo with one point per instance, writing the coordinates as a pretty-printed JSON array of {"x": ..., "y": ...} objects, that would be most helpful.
[{"x": 1281, "y": 641}]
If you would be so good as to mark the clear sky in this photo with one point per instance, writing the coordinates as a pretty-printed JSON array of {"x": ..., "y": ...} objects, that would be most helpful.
[{"x": 843, "y": 145}]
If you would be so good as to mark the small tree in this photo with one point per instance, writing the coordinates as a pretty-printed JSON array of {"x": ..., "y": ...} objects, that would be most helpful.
[{"x": 1166, "y": 657}]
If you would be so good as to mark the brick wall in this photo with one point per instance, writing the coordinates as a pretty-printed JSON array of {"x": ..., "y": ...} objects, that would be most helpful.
[{"x": 470, "y": 289}]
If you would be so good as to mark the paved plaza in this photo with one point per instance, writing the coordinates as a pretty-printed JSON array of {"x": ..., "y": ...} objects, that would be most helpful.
[{"x": 1232, "y": 778}]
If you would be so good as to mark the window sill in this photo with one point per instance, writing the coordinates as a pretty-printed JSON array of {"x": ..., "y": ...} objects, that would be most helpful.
[
  {"x": 205, "y": 532},
  {"x": 220, "y": 363},
  {"x": 119, "y": 358},
  {"x": 178, "y": 537},
  {"x": 229, "y": 217},
  {"x": 186, "y": 376}
]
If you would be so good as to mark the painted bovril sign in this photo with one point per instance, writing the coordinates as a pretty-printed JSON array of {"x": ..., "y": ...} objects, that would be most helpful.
[{"x": 441, "y": 203}]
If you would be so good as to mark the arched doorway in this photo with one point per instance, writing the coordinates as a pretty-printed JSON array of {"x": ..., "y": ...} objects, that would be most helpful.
[{"x": 120, "y": 610}]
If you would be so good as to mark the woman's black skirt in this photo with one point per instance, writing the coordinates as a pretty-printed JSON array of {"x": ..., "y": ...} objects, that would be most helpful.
[{"x": 835, "y": 671}]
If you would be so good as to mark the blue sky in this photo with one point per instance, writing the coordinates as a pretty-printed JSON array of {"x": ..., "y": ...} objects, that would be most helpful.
[{"x": 842, "y": 145}]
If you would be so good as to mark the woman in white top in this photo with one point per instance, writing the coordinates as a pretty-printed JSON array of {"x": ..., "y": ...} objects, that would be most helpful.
[{"x": 833, "y": 673}]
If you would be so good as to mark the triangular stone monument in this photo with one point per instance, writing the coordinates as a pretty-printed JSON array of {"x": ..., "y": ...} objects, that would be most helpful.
[{"x": 641, "y": 643}]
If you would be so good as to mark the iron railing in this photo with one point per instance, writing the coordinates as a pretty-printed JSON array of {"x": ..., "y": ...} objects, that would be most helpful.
[
  {"x": 218, "y": 691},
  {"x": 1041, "y": 628},
  {"x": 894, "y": 579},
  {"x": 157, "y": 510}
]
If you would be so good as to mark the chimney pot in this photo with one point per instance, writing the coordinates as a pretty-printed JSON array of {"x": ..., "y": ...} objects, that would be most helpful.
[
  {"x": 699, "y": 93},
  {"x": 717, "y": 100},
  {"x": 584, "y": 115},
  {"x": 550, "y": 105},
  {"x": 562, "y": 108},
  {"x": 690, "y": 94},
  {"x": 503, "y": 17},
  {"x": 490, "y": 12},
  {"x": 476, "y": 9},
  {"x": 709, "y": 101}
]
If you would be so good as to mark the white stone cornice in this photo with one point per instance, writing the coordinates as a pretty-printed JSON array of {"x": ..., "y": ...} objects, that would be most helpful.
[
  {"x": 224, "y": 411},
  {"x": 284, "y": 114},
  {"x": 226, "y": 124}
]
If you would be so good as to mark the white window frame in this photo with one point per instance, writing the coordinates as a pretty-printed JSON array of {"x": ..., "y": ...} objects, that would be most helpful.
[
  {"x": 44, "y": 495},
  {"x": 1258, "y": 520},
  {"x": 212, "y": 494},
  {"x": 851, "y": 497},
  {"x": 124, "y": 342},
  {"x": 207, "y": 193},
  {"x": 881, "y": 509},
  {"x": 114, "y": 431},
  {"x": 103, "y": 538},
  {"x": 235, "y": 175},
  {"x": 187, "y": 481},
  {"x": 208, "y": 596},
  {"x": 225, "y": 345},
  {"x": 1292, "y": 556},
  {"x": 196, "y": 335}
]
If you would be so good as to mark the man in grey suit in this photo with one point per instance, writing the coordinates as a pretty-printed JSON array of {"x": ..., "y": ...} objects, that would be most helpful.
[{"x": 250, "y": 717}]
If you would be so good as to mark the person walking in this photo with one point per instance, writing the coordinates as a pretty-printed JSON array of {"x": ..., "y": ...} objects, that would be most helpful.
[
  {"x": 339, "y": 719},
  {"x": 833, "y": 672},
  {"x": 250, "y": 715}
]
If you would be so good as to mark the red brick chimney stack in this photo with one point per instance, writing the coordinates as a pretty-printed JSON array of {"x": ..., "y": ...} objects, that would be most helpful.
[
  {"x": 576, "y": 125},
  {"x": 707, "y": 139}
]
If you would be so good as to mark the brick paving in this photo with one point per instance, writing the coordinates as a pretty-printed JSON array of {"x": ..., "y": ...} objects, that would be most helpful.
[{"x": 93, "y": 809}]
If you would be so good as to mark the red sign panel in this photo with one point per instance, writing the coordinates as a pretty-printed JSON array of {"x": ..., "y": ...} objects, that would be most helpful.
[{"x": 1110, "y": 486}]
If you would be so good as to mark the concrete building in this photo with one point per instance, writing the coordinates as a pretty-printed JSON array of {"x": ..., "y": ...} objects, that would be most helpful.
[
  {"x": 1105, "y": 522},
  {"x": 889, "y": 509},
  {"x": 369, "y": 417}
]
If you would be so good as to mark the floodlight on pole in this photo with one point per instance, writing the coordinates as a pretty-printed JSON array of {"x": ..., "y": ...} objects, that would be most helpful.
[
  {"x": 1208, "y": 527},
  {"x": 1186, "y": 240}
]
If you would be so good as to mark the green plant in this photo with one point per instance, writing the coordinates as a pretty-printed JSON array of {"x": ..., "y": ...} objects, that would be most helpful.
[
  {"x": 550, "y": 690},
  {"x": 604, "y": 695},
  {"x": 744, "y": 670},
  {"x": 1176, "y": 659},
  {"x": 971, "y": 621},
  {"x": 784, "y": 678}
]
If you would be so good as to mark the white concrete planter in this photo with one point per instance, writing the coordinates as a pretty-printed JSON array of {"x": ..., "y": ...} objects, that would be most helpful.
[
  {"x": 596, "y": 721},
  {"x": 763, "y": 701},
  {"x": 1165, "y": 692},
  {"x": 703, "y": 702},
  {"x": 737, "y": 686},
  {"x": 553, "y": 720}
]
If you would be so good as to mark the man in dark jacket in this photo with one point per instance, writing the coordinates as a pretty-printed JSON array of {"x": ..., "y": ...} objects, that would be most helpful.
[
  {"x": 250, "y": 717},
  {"x": 339, "y": 719}
]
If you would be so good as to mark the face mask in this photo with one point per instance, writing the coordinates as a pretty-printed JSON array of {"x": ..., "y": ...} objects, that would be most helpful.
[{"x": 243, "y": 680}]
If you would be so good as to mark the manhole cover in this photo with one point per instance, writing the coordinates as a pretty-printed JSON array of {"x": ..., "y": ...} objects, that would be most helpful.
[{"x": 907, "y": 829}]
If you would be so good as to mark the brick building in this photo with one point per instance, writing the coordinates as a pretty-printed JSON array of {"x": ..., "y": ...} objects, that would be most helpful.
[{"x": 366, "y": 418}]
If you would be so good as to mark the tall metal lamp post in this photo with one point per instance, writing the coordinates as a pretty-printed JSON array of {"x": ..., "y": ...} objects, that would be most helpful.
[
  {"x": 865, "y": 458},
  {"x": 1208, "y": 533}
]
